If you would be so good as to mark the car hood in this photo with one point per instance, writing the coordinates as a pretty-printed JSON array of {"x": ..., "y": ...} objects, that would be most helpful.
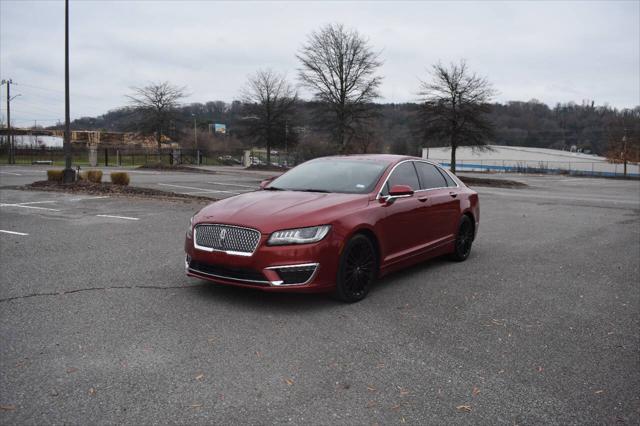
[{"x": 269, "y": 211}]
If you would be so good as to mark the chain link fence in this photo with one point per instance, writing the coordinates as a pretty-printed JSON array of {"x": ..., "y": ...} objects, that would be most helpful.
[{"x": 576, "y": 168}]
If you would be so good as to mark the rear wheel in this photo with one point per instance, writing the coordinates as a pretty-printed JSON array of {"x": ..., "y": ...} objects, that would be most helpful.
[
  {"x": 464, "y": 239},
  {"x": 357, "y": 269}
]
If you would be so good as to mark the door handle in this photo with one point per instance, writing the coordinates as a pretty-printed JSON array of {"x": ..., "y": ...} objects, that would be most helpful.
[
  {"x": 423, "y": 199},
  {"x": 453, "y": 194}
]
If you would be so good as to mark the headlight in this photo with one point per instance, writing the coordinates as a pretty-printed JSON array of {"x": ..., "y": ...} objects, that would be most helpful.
[
  {"x": 190, "y": 230},
  {"x": 312, "y": 234}
]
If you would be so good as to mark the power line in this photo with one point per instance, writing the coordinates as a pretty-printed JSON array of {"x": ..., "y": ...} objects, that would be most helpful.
[
  {"x": 35, "y": 108},
  {"x": 37, "y": 119},
  {"x": 44, "y": 97},
  {"x": 39, "y": 88}
]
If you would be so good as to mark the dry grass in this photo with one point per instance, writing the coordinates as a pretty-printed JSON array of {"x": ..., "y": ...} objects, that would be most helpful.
[
  {"x": 94, "y": 176},
  {"x": 82, "y": 176},
  {"x": 120, "y": 178},
  {"x": 55, "y": 175}
]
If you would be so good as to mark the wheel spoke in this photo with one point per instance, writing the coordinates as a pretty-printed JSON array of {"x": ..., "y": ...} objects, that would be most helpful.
[
  {"x": 464, "y": 238},
  {"x": 359, "y": 266}
]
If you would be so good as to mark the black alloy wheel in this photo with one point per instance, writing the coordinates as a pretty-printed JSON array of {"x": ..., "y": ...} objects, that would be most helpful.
[
  {"x": 464, "y": 239},
  {"x": 358, "y": 269}
]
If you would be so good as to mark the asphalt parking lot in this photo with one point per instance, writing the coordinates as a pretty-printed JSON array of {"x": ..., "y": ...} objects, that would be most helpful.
[
  {"x": 219, "y": 182},
  {"x": 100, "y": 325}
]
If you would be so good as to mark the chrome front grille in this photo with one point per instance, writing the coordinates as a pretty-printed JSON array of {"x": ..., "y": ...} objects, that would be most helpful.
[{"x": 227, "y": 238}]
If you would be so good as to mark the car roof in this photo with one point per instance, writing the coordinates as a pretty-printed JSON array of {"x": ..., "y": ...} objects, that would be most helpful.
[{"x": 383, "y": 158}]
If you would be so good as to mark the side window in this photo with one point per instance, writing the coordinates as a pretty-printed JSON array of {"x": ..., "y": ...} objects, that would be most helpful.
[
  {"x": 450, "y": 181},
  {"x": 430, "y": 177},
  {"x": 404, "y": 174}
]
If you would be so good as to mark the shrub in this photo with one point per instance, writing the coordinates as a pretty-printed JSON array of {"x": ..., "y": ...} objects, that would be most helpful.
[
  {"x": 120, "y": 178},
  {"x": 82, "y": 176},
  {"x": 94, "y": 176},
  {"x": 54, "y": 175}
]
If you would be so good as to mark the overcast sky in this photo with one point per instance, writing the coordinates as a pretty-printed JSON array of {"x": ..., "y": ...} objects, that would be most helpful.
[{"x": 551, "y": 51}]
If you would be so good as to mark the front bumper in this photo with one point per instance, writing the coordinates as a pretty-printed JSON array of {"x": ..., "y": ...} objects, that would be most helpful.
[{"x": 301, "y": 268}]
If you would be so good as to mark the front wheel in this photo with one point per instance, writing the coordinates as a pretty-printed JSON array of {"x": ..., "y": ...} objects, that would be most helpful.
[
  {"x": 464, "y": 239},
  {"x": 357, "y": 269}
]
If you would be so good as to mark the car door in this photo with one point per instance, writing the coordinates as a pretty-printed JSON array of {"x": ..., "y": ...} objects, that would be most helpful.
[
  {"x": 402, "y": 215},
  {"x": 441, "y": 206}
]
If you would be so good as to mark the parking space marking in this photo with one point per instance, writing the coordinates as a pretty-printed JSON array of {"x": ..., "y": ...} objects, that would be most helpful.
[
  {"x": 135, "y": 171},
  {"x": 35, "y": 202},
  {"x": 566, "y": 197},
  {"x": 234, "y": 184},
  {"x": 9, "y": 173},
  {"x": 87, "y": 198},
  {"x": 201, "y": 189},
  {"x": 196, "y": 192},
  {"x": 118, "y": 217},
  {"x": 12, "y": 232},
  {"x": 29, "y": 207}
]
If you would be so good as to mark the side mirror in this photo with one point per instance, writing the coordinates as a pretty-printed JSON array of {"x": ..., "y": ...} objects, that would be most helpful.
[
  {"x": 266, "y": 182},
  {"x": 397, "y": 191},
  {"x": 401, "y": 191}
]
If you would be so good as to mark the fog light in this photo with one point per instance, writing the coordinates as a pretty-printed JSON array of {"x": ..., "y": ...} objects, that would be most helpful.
[{"x": 295, "y": 274}]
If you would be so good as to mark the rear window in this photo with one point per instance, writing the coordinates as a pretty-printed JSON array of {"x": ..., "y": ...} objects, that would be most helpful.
[
  {"x": 450, "y": 182},
  {"x": 430, "y": 176}
]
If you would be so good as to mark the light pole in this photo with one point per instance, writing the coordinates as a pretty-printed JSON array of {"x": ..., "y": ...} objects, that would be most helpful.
[
  {"x": 9, "y": 82},
  {"x": 195, "y": 132},
  {"x": 69, "y": 175},
  {"x": 624, "y": 151},
  {"x": 286, "y": 133},
  {"x": 195, "y": 139}
]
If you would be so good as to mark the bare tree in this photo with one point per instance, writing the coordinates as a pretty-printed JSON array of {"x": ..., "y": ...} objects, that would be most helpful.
[
  {"x": 624, "y": 138},
  {"x": 339, "y": 66},
  {"x": 366, "y": 137},
  {"x": 269, "y": 101},
  {"x": 455, "y": 108},
  {"x": 157, "y": 103}
]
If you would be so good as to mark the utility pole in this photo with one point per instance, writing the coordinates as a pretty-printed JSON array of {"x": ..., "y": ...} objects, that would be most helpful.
[
  {"x": 69, "y": 175},
  {"x": 624, "y": 151},
  {"x": 9, "y": 82},
  {"x": 286, "y": 133},
  {"x": 195, "y": 133},
  {"x": 195, "y": 139}
]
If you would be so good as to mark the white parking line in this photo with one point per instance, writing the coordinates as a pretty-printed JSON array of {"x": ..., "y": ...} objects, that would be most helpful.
[
  {"x": 118, "y": 217},
  {"x": 135, "y": 172},
  {"x": 9, "y": 173},
  {"x": 28, "y": 207},
  {"x": 87, "y": 198},
  {"x": 234, "y": 184},
  {"x": 201, "y": 189},
  {"x": 12, "y": 232},
  {"x": 34, "y": 202},
  {"x": 196, "y": 192}
]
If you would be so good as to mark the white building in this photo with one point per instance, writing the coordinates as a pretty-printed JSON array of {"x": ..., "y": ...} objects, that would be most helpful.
[{"x": 524, "y": 159}]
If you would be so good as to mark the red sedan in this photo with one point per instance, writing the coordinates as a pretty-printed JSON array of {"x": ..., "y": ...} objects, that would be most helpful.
[{"x": 334, "y": 224}]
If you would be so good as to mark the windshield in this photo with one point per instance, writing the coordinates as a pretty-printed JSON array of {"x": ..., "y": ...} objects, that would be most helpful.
[{"x": 334, "y": 175}]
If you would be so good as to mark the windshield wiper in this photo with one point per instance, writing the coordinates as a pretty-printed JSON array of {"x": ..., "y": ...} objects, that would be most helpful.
[
  {"x": 272, "y": 188},
  {"x": 314, "y": 190}
]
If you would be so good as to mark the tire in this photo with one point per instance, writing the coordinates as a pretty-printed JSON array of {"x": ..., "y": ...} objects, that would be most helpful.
[
  {"x": 464, "y": 240},
  {"x": 357, "y": 270}
]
